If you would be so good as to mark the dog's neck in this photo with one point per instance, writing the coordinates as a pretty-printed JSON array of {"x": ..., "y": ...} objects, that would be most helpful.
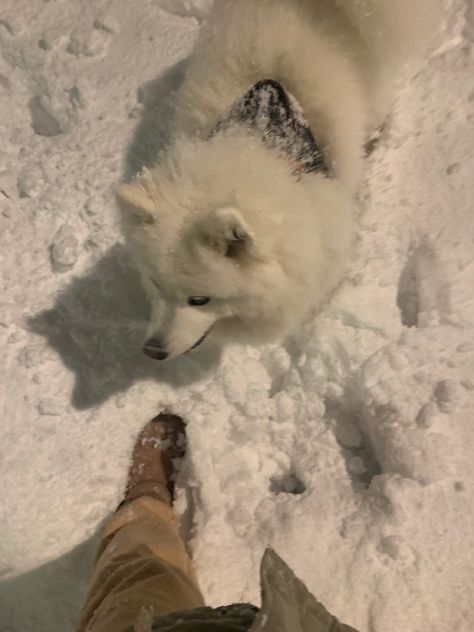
[{"x": 269, "y": 111}]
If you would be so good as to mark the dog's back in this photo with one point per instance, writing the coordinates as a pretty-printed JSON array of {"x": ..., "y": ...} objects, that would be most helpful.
[{"x": 339, "y": 58}]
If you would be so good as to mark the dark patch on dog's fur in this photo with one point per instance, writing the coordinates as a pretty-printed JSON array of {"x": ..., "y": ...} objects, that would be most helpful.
[{"x": 268, "y": 110}]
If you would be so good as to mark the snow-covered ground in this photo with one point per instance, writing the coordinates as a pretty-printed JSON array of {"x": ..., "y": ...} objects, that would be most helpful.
[{"x": 349, "y": 449}]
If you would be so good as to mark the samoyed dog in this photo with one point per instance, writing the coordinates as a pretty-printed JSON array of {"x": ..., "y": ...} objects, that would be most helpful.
[{"x": 244, "y": 226}]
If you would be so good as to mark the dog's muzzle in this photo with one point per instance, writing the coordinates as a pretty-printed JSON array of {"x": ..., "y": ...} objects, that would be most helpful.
[
  {"x": 153, "y": 348},
  {"x": 199, "y": 341}
]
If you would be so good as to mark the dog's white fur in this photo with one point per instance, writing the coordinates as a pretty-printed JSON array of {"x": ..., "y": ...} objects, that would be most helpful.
[{"x": 287, "y": 240}]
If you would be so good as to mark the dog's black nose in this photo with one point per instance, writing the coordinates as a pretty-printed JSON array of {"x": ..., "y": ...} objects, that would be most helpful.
[{"x": 154, "y": 349}]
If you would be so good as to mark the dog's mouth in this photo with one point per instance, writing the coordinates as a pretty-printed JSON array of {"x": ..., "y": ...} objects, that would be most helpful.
[{"x": 199, "y": 341}]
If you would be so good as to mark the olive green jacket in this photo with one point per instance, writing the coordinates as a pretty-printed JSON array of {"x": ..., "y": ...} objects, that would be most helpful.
[{"x": 287, "y": 606}]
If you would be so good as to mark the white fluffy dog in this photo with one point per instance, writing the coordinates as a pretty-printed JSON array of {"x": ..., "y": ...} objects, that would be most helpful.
[{"x": 244, "y": 225}]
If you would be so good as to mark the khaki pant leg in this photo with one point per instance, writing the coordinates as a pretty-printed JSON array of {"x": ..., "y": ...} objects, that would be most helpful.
[{"x": 142, "y": 562}]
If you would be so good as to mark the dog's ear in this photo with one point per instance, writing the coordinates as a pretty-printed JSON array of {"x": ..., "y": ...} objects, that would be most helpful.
[
  {"x": 136, "y": 199},
  {"x": 226, "y": 232}
]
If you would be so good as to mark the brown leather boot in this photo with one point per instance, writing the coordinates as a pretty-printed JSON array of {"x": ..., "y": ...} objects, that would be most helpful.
[{"x": 156, "y": 455}]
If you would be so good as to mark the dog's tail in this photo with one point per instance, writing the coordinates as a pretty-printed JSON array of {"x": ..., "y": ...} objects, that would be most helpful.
[
  {"x": 399, "y": 33},
  {"x": 401, "y": 28}
]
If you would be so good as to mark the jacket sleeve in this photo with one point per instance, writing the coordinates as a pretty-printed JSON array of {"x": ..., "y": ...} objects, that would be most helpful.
[{"x": 287, "y": 605}]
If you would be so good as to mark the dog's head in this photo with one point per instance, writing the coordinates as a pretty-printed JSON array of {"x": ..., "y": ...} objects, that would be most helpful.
[
  {"x": 224, "y": 229},
  {"x": 208, "y": 228}
]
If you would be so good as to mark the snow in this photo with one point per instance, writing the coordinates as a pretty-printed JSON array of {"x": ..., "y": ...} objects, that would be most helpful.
[{"x": 348, "y": 448}]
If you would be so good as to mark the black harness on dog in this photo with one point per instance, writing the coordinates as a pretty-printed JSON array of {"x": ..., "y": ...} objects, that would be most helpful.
[{"x": 278, "y": 119}]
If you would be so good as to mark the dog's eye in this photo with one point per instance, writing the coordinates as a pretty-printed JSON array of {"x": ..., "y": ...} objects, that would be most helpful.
[
  {"x": 155, "y": 283},
  {"x": 196, "y": 301}
]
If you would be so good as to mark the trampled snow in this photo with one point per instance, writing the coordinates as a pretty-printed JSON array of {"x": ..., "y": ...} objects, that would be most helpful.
[{"x": 348, "y": 449}]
